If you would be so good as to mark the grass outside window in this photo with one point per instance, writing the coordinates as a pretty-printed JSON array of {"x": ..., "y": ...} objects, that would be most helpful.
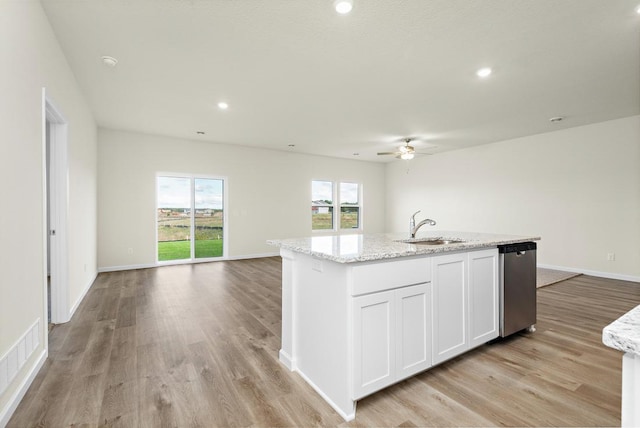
[{"x": 178, "y": 250}]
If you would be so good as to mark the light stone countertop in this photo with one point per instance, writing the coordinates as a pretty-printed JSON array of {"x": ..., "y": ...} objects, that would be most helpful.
[
  {"x": 361, "y": 248},
  {"x": 624, "y": 333}
]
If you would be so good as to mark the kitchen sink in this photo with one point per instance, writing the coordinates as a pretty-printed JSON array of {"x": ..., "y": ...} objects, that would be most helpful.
[{"x": 433, "y": 241}]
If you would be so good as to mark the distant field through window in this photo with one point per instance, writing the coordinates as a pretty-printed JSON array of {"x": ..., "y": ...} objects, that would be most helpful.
[
  {"x": 349, "y": 206},
  {"x": 321, "y": 205},
  {"x": 190, "y": 218}
]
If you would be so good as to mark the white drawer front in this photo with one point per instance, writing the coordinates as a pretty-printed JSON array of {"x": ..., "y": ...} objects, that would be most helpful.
[{"x": 392, "y": 274}]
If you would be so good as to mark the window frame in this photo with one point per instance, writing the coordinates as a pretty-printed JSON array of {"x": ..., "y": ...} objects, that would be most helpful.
[
  {"x": 337, "y": 206},
  {"x": 358, "y": 205},
  {"x": 225, "y": 217}
]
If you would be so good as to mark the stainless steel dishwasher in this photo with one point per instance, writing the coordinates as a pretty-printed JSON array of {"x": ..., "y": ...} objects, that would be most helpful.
[{"x": 517, "y": 287}]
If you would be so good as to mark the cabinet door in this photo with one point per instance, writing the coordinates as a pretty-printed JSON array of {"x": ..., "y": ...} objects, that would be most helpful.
[
  {"x": 374, "y": 339},
  {"x": 413, "y": 327},
  {"x": 450, "y": 335},
  {"x": 483, "y": 296}
]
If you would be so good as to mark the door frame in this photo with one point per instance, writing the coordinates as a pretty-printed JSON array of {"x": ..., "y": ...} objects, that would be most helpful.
[{"x": 55, "y": 174}]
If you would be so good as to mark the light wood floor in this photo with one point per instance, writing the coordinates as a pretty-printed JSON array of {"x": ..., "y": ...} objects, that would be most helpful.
[{"x": 197, "y": 345}]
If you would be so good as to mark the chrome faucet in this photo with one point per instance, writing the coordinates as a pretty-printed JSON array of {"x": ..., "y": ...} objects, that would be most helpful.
[
  {"x": 412, "y": 222},
  {"x": 413, "y": 227}
]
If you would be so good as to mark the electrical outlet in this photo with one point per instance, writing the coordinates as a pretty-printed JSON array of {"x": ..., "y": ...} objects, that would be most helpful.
[
  {"x": 129, "y": 250},
  {"x": 611, "y": 257}
]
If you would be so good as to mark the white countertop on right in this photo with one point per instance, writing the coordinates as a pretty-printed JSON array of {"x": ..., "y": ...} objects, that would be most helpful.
[{"x": 624, "y": 333}]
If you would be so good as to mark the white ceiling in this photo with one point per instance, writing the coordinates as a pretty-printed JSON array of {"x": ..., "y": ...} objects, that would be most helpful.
[{"x": 296, "y": 72}]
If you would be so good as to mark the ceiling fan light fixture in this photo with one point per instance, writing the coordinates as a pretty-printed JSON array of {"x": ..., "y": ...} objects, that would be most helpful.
[
  {"x": 109, "y": 61},
  {"x": 407, "y": 156},
  {"x": 343, "y": 6},
  {"x": 484, "y": 72}
]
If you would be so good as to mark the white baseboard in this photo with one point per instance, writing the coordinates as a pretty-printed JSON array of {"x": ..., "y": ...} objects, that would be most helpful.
[
  {"x": 126, "y": 267},
  {"x": 153, "y": 265},
  {"x": 286, "y": 360},
  {"x": 14, "y": 401},
  {"x": 347, "y": 415},
  {"x": 608, "y": 275},
  {"x": 254, "y": 256},
  {"x": 81, "y": 297}
]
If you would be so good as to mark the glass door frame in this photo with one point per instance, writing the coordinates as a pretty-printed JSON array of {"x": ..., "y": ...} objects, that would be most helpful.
[{"x": 225, "y": 210}]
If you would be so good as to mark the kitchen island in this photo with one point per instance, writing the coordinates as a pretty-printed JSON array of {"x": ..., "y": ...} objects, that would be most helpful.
[
  {"x": 624, "y": 335},
  {"x": 362, "y": 312}
]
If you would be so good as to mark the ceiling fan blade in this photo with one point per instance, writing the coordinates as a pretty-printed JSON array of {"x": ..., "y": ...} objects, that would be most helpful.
[{"x": 387, "y": 153}]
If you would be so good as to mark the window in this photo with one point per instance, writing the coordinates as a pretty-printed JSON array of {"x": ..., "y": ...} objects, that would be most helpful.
[
  {"x": 349, "y": 206},
  {"x": 321, "y": 205},
  {"x": 324, "y": 204},
  {"x": 190, "y": 218}
]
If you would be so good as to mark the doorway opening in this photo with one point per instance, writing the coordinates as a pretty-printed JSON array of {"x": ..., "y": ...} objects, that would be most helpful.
[{"x": 55, "y": 204}]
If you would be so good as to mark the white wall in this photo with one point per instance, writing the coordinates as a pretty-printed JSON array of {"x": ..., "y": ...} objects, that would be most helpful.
[
  {"x": 31, "y": 60},
  {"x": 579, "y": 189},
  {"x": 269, "y": 192}
]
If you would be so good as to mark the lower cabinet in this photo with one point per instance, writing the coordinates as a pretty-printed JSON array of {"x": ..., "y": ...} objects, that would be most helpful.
[
  {"x": 400, "y": 332},
  {"x": 450, "y": 332},
  {"x": 391, "y": 336},
  {"x": 465, "y": 302},
  {"x": 484, "y": 297}
]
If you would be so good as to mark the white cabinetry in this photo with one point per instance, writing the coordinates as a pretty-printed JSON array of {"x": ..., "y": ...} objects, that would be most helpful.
[
  {"x": 374, "y": 340},
  {"x": 413, "y": 328},
  {"x": 465, "y": 302},
  {"x": 351, "y": 329},
  {"x": 449, "y": 306},
  {"x": 484, "y": 322},
  {"x": 391, "y": 336}
]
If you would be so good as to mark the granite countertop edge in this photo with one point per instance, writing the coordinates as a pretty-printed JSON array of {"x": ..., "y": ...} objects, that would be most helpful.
[
  {"x": 388, "y": 246},
  {"x": 624, "y": 333}
]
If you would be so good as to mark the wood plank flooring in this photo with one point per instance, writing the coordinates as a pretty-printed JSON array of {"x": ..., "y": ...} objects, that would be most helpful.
[{"x": 197, "y": 345}]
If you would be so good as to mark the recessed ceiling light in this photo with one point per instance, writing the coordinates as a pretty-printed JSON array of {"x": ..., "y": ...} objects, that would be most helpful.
[
  {"x": 343, "y": 6},
  {"x": 109, "y": 61},
  {"x": 484, "y": 72},
  {"x": 222, "y": 105},
  {"x": 556, "y": 119}
]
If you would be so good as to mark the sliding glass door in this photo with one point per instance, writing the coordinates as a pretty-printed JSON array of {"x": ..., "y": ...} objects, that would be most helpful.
[
  {"x": 209, "y": 217},
  {"x": 174, "y": 218},
  {"x": 190, "y": 218}
]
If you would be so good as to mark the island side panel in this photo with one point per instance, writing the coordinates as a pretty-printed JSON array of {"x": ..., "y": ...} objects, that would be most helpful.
[
  {"x": 286, "y": 348},
  {"x": 630, "y": 390},
  {"x": 321, "y": 334}
]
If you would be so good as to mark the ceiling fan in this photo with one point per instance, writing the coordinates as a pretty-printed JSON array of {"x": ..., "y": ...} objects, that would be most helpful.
[{"x": 405, "y": 152}]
